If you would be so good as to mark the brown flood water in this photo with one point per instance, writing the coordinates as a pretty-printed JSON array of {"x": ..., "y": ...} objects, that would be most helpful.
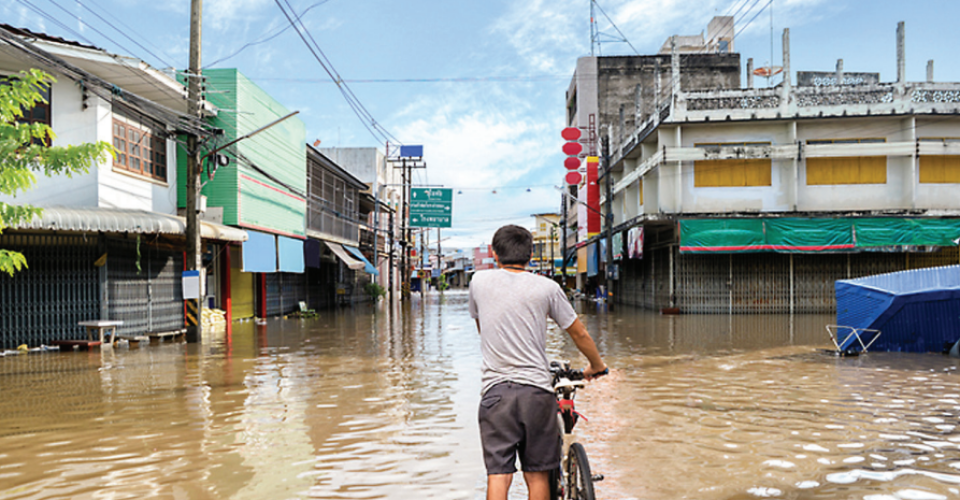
[{"x": 369, "y": 404}]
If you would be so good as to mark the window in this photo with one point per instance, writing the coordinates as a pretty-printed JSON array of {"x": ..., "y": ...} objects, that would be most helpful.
[
  {"x": 846, "y": 169},
  {"x": 940, "y": 169},
  {"x": 734, "y": 172},
  {"x": 139, "y": 151},
  {"x": 40, "y": 113}
]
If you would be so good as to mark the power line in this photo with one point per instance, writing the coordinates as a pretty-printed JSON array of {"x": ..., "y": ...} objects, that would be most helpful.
[
  {"x": 266, "y": 38},
  {"x": 368, "y": 121},
  {"x": 123, "y": 32}
]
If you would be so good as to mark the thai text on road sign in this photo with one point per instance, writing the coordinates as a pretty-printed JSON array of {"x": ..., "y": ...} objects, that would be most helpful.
[{"x": 431, "y": 207}]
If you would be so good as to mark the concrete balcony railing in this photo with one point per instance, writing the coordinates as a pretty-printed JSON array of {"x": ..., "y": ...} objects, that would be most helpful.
[{"x": 809, "y": 102}]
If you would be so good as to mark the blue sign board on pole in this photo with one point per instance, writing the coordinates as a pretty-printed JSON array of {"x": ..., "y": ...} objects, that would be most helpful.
[{"x": 411, "y": 151}]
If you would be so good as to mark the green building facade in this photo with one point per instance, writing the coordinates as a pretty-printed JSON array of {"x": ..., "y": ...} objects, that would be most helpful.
[{"x": 264, "y": 186}]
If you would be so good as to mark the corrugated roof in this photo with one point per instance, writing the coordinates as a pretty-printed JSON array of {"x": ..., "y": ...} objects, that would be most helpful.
[{"x": 114, "y": 220}]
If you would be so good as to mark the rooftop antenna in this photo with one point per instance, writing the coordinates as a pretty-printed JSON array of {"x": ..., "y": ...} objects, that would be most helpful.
[{"x": 597, "y": 36}]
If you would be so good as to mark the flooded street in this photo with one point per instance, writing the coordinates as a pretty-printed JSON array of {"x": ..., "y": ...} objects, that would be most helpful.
[{"x": 369, "y": 403}]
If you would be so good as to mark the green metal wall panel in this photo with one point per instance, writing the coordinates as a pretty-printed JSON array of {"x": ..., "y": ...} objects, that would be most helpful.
[
  {"x": 264, "y": 206},
  {"x": 248, "y": 197}
]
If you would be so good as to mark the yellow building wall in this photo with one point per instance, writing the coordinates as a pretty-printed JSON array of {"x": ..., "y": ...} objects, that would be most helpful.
[{"x": 242, "y": 296}]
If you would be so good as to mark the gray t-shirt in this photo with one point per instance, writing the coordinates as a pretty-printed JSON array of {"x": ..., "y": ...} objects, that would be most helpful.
[{"x": 513, "y": 310}]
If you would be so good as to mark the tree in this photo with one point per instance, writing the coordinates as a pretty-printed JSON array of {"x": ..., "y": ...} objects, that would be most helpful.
[{"x": 25, "y": 148}]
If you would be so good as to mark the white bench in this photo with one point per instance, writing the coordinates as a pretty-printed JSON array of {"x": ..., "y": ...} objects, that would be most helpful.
[{"x": 101, "y": 326}]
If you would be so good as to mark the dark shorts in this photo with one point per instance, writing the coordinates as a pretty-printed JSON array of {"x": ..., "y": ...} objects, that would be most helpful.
[{"x": 517, "y": 419}]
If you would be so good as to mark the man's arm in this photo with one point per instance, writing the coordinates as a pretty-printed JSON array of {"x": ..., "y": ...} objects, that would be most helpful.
[{"x": 581, "y": 337}]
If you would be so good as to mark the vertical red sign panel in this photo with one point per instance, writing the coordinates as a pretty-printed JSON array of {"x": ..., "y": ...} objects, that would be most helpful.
[{"x": 593, "y": 196}]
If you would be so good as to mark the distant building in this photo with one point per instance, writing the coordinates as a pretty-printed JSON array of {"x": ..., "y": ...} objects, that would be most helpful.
[
  {"x": 383, "y": 193},
  {"x": 611, "y": 95},
  {"x": 546, "y": 244}
]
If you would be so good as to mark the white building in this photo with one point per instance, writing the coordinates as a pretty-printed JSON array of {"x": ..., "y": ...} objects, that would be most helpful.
[{"x": 755, "y": 200}]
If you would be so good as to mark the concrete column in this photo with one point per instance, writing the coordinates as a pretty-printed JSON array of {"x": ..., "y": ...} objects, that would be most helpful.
[
  {"x": 638, "y": 105},
  {"x": 656, "y": 87},
  {"x": 930, "y": 71},
  {"x": 901, "y": 53},
  {"x": 911, "y": 127},
  {"x": 795, "y": 168},
  {"x": 839, "y": 72},
  {"x": 679, "y": 202},
  {"x": 786, "y": 87},
  {"x": 674, "y": 67},
  {"x": 750, "y": 73}
]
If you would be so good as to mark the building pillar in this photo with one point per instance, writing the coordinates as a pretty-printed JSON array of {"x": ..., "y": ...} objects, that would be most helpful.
[
  {"x": 930, "y": 71},
  {"x": 786, "y": 87},
  {"x": 901, "y": 53},
  {"x": 839, "y": 72},
  {"x": 750, "y": 73}
]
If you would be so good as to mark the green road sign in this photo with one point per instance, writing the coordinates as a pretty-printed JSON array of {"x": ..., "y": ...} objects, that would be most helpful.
[{"x": 431, "y": 207}]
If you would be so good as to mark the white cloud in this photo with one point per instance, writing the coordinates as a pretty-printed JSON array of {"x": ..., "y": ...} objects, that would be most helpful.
[
  {"x": 225, "y": 15},
  {"x": 480, "y": 141}
]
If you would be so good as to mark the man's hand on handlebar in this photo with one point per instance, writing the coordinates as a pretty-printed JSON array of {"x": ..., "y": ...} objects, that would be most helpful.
[{"x": 591, "y": 373}]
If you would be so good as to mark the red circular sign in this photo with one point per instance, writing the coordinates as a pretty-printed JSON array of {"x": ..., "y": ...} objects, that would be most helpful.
[
  {"x": 573, "y": 178},
  {"x": 570, "y": 133},
  {"x": 572, "y": 148},
  {"x": 571, "y": 163}
]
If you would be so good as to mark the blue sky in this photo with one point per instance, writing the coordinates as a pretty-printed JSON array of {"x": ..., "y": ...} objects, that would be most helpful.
[{"x": 491, "y": 109}]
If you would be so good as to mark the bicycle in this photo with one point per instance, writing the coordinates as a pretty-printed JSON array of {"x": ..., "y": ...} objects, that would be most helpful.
[{"x": 572, "y": 480}]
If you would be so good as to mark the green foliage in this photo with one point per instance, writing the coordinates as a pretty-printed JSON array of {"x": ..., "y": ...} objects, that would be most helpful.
[
  {"x": 25, "y": 150},
  {"x": 374, "y": 290}
]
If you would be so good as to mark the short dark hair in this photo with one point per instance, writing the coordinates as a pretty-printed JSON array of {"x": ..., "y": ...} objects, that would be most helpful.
[{"x": 513, "y": 245}]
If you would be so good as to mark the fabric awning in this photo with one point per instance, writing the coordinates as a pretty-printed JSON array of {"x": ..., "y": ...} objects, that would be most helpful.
[
  {"x": 117, "y": 220},
  {"x": 290, "y": 255},
  {"x": 367, "y": 266},
  {"x": 805, "y": 235},
  {"x": 260, "y": 253},
  {"x": 345, "y": 256}
]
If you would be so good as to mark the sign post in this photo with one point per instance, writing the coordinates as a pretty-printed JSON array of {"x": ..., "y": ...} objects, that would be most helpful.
[{"x": 431, "y": 207}]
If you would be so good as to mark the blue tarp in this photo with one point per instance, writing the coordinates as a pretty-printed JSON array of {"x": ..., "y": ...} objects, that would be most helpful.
[
  {"x": 259, "y": 253},
  {"x": 368, "y": 267},
  {"x": 290, "y": 253},
  {"x": 915, "y": 311}
]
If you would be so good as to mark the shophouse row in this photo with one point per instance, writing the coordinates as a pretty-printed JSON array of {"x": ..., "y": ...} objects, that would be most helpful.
[
  {"x": 723, "y": 198},
  {"x": 283, "y": 222}
]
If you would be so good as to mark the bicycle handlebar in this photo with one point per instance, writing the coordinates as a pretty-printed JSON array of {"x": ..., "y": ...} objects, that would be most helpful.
[{"x": 564, "y": 371}]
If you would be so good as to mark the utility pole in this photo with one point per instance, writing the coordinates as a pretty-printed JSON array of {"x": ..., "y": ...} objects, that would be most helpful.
[
  {"x": 439, "y": 259},
  {"x": 608, "y": 219},
  {"x": 404, "y": 232},
  {"x": 563, "y": 237},
  {"x": 194, "y": 166}
]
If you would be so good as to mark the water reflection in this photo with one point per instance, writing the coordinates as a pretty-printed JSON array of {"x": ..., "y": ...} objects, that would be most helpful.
[{"x": 381, "y": 403}]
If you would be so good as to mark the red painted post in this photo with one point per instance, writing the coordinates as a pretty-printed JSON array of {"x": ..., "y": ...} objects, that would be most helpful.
[{"x": 227, "y": 302}]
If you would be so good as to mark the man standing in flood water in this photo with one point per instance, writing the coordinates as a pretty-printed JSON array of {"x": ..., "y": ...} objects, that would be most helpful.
[{"x": 518, "y": 410}]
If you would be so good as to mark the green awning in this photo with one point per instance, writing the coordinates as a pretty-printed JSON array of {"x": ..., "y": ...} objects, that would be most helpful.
[{"x": 802, "y": 235}]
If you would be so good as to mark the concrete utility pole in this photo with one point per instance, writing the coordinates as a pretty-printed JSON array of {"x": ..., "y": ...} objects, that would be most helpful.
[
  {"x": 194, "y": 83},
  {"x": 608, "y": 218}
]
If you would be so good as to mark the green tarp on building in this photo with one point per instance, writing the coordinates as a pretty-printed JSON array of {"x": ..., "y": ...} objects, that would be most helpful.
[{"x": 814, "y": 235}]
